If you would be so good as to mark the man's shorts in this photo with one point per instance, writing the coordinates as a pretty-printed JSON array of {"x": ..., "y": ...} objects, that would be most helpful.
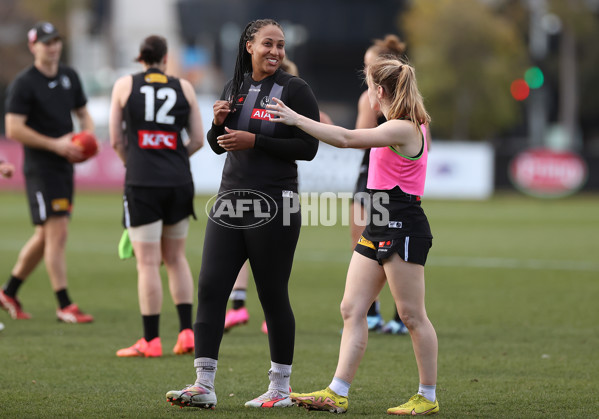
[
  {"x": 145, "y": 204},
  {"x": 410, "y": 249},
  {"x": 49, "y": 195}
]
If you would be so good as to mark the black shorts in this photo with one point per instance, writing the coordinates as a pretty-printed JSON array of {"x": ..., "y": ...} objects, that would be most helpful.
[
  {"x": 410, "y": 249},
  {"x": 49, "y": 195},
  {"x": 144, "y": 204}
]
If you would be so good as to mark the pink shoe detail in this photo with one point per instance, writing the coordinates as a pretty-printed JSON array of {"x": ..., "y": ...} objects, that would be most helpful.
[
  {"x": 236, "y": 317},
  {"x": 185, "y": 342},
  {"x": 142, "y": 348},
  {"x": 72, "y": 314},
  {"x": 13, "y": 306}
]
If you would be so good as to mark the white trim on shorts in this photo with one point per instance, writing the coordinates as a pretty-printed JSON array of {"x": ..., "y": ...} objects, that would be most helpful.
[
  {"x": 406, "y": 246},
  {"x": 39, "y": 196},
  {"x": 126, "y": 211}
]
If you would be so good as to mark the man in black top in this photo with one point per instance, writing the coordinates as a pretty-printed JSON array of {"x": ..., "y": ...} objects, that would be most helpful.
[{"x": 39, "y": 105}]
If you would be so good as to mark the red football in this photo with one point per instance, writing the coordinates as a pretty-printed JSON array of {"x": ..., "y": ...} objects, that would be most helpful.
[{"x": 88, "y": 143}]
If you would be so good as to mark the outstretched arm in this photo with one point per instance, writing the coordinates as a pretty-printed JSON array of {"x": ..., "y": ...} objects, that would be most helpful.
[{"x": 394, "y": 132}]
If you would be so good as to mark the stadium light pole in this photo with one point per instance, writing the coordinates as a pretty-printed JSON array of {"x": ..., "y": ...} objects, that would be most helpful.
[{"x": 537, "y": 45}]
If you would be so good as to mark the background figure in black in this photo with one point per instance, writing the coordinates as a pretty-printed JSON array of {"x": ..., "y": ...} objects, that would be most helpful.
[
  {"x": 260, "y": 166},
  {"x": 40, "y": 105},
  {"x": 159, "y": 191},
  {"x": 6, "y": 171}
]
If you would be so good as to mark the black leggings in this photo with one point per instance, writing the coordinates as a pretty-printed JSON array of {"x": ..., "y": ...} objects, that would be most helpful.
[{"x": 270, "y": 249}]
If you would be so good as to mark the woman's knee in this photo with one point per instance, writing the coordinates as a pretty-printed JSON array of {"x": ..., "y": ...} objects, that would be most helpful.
[
  {"x": 174, "y": 259},
  {"x": 412, "y": 318},
  {"x": 350, "y": 310}
]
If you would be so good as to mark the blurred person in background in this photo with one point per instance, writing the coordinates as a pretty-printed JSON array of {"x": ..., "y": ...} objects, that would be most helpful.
[
  {"x": 148, "y": 112},
  {"x": 238, "y": 314},
  {"x": 40, "y": 104},
  {"x": 261, "y": 161},
  {"x": 389, "y": 46},
  {"x": 395, "y": 248},
  {"x": 6, "y": 169}
]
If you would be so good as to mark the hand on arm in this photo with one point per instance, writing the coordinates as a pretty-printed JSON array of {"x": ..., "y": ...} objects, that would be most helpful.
[
  {"x": 17, "y": 129},
  {"x": 234, "y": 140}
]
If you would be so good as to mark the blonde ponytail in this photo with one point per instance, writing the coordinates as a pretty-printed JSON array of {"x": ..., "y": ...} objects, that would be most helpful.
[{"x": 399, "y": 82}]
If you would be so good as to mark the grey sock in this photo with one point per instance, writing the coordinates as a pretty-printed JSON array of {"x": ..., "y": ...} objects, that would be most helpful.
[
  {"x": 279, "y": 377},
  {"x": 206, "y": 372}
]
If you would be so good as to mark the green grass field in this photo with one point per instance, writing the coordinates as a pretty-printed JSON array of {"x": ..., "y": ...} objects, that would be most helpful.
[{"x": 512, "y": 285}]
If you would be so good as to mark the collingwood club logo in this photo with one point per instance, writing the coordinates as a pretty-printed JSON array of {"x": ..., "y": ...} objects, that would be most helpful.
[{"x": 264, "y": 101}]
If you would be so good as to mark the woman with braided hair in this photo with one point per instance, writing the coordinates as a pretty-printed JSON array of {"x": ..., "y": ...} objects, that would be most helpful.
[{"x": 260, "y": 168}]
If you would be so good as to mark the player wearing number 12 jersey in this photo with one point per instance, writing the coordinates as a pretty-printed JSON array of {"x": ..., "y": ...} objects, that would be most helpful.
[{"x": 149, "y": 111}]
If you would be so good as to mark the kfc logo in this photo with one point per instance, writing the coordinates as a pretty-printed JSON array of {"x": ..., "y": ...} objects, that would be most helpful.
[{"x": 157, "y": 140}]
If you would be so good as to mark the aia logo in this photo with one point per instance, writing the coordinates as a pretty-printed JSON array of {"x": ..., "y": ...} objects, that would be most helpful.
[
  {"x": 157, "y": 140},
  {"x": 241, "y": 208},
  {"x": 260, "y": 114}
]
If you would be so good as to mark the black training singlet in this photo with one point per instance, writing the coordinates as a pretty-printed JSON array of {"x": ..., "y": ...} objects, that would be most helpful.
[
  {"x": 155, "y": 114},
  {"x": 269, "y": 166},
  {"x": 47, "y": 103}
]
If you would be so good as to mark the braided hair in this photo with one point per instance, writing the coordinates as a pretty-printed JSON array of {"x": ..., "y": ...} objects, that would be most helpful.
[{"x": 243, "y": 65}]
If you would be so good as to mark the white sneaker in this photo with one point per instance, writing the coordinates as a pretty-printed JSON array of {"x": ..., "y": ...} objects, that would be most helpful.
[
  {"x": 192, "y": 396},
  {"x": 272, "y": 398}
]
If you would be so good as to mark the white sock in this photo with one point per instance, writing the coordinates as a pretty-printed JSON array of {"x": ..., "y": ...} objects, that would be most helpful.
[
  {"x": 279, "y": 377},
  {"x": 206, "y": 372},
  {"x": 340, "y": 387},
  {"x": 238, "y": 295},
  {"x": 428, "y": 391}
]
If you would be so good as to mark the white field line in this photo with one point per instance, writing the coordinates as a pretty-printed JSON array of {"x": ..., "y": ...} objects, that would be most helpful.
[
  {"x": 512, "y": 263},
  {"x": 9, "y": 250},
  {"x": 473, "y": 262}
]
